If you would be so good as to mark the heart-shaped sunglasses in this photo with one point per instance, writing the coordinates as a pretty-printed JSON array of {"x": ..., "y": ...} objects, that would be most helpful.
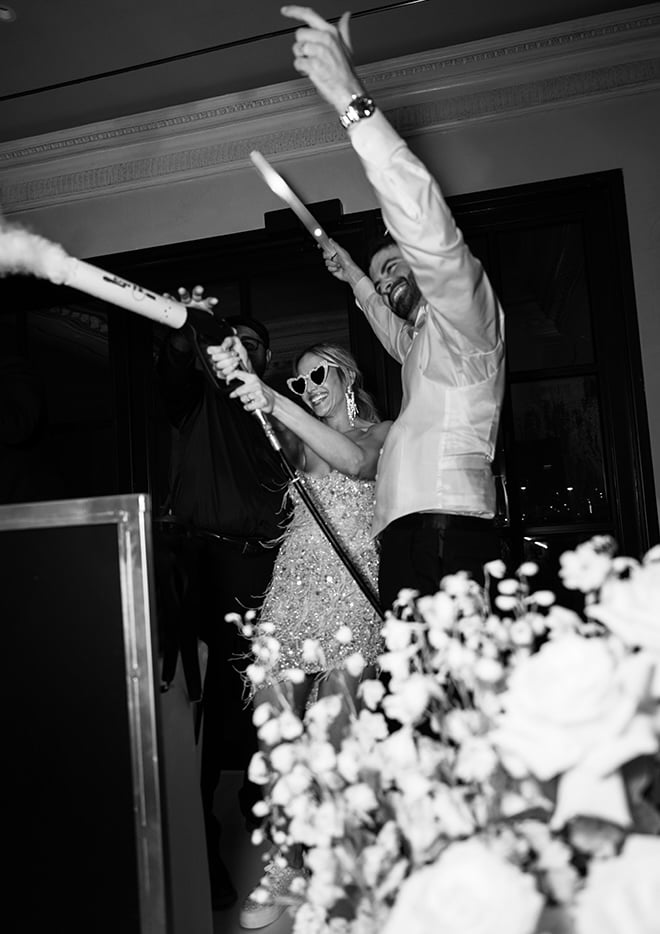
[{"x": 316, "y": 376}]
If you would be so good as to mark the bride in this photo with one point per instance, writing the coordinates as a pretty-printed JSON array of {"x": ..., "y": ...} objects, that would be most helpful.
[
  {"x": 336, "y": 442},
  {"x": 337, "y": 438}
]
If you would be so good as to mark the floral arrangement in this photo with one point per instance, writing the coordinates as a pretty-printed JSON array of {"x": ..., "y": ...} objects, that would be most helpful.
[{"x": 497, "y": 778}]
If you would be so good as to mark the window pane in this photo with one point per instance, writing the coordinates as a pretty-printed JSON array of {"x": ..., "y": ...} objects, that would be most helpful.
[
  {"x": 545, "y": 298},
  {"x": 558, "y": 452}
]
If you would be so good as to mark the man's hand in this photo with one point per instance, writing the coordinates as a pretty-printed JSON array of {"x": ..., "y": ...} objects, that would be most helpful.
[
  {"x": 323, "y": 53},
  {"x": 196, "y": 300},
  {"x": 340, "y": 264}
]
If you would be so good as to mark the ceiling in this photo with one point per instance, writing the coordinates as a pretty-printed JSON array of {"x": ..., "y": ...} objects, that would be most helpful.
[{"x": 73, "y": 42}]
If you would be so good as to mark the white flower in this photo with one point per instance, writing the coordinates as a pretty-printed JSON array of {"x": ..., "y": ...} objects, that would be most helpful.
[
  {"x": 371, "y": 692},
  {"x": 262, "y": 713},
  {"x": 269, "y": 732},
  {"x": 476, "y": 760},
  {"x": 495, "y": 568},
  {"x": 343, "y": 635},
  {"x": 258, "y": 769},
  {"x": 652, "y": 555},
  {"x": 397, "y": 664},
  {"x": 528, "y": 569},
  {"x": 584, "y": 569},
  {"x": 505, "y": 602},
  {"x": 348, "y": 760},
  {"x": 354, "y": 664},
  {"x": 439, "y": 610},
  {"x": 266, "y": 650},
  {"x": 622, "y": 894},
  {"x": 469, "y": 890},
  {"x": 543, "y": 598},
  {"x": 321, "y": 715},
  {"x": 508, "y": 586},
  {"x": 573, "y": 699},
  {"x": 290, "y": 725},
  {"x": 397, "y": 634},
  {"x": 295, "y": 675},
  {"x": 260, "y": 809},
  {"x": 411, "y": 698},
  {"x": 322, "y": 757},
  {"x": 562, "y": 622},
  {"x": 522, "y": 632},
  {"x": 309, "y": 919},
  {"x": 461, "y": 725},
  {"x": 360, "y": 798},
  {"x": 256, "y": 674},
  {"x": 312, "y": 652},
  {"x": 452, "y": 812},
  {"x": 456, "y": 585},
  {"x": 630, "y": 608},
  {"x": 370, "y": 727},
  {"x": 399, "y": 752},
  {"x": 488, "y": 670},
  {"x": 282, "y": 758}
]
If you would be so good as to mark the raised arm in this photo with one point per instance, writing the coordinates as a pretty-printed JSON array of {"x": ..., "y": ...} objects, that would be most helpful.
[
  {"x": 451, "y": 280},
  {"x": 389, "y": 329},
  {"x": 181, "y": 385},
  {"x": 355, "y": 455}
]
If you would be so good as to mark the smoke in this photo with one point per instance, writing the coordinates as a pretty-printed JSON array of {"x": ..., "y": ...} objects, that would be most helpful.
[{"x": 29, "y": 254}]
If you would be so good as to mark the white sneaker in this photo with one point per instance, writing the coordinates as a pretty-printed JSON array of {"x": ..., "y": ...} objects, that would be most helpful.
[{"x": 259, "y": 911}]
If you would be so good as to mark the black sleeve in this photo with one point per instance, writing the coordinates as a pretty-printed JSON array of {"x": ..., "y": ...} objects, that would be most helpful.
[{"x": 179, "y": 383}]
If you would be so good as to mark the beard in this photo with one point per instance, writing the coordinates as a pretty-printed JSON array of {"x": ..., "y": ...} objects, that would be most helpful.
[{"x": 404, "y": 297}]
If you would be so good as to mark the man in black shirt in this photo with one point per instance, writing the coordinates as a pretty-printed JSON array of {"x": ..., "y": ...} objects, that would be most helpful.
[{"x": 227, "y": 501}]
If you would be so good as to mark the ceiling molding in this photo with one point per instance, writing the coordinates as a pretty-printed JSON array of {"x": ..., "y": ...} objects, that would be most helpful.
[{"x": 613, "y": 54}]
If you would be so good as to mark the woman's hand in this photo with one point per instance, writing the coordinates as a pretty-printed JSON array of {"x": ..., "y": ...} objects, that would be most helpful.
[{"x": 229, "y": 360}]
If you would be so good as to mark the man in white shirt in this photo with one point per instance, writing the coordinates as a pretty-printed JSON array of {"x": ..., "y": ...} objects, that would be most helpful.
[{"x": 431, "y": 305}]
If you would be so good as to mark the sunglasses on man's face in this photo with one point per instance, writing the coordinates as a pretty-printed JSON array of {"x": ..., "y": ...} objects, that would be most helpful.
[
  {"x": 316, "y": 377},
  {"x": 252, "y": 344}
]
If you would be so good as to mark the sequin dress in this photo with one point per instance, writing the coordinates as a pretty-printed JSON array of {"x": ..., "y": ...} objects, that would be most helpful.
[{"x": 312, "y": 594}]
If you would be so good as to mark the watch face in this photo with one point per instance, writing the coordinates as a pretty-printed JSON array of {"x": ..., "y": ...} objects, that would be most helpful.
[
  {"x": 358, "y": 108},
  {"x": 364, "y": 106}
]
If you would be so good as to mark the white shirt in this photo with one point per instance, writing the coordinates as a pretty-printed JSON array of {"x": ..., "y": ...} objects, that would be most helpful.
[{"x": 438, "y": 453}]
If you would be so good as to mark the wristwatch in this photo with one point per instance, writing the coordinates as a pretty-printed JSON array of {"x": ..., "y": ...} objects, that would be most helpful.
[{"x": 360, "y": 107}]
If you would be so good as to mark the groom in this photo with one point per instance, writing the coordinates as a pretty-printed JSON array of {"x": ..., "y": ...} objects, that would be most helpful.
[{"x": 431, "y": 305}]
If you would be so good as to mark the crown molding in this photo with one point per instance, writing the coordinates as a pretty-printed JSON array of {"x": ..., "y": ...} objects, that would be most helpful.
[{"x": 568, "y": 63}]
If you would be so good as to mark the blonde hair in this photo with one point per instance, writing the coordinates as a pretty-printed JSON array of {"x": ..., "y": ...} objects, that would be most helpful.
[{"x": 347, "y": 365}]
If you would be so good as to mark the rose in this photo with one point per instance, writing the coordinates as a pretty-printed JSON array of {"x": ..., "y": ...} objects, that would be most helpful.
[
  {"x": 469, "y": 890},
  {"x": 623, "y": 893},
  {"x": 574, "y": 699},
  {"x": 629, "y": 607}
]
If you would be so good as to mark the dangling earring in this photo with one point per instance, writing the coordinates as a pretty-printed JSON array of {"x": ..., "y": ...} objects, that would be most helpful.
[{"x": 351, "y": 407}]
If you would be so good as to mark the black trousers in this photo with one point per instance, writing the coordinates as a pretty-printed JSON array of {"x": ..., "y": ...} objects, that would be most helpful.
[{"x": 419, "y": 549}]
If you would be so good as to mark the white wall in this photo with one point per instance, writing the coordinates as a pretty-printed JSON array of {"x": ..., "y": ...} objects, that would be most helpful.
[{"x": 558, "y": 108}]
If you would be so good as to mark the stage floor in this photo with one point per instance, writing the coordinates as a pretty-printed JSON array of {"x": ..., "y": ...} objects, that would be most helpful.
[{"x": 241, "y": 858}]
